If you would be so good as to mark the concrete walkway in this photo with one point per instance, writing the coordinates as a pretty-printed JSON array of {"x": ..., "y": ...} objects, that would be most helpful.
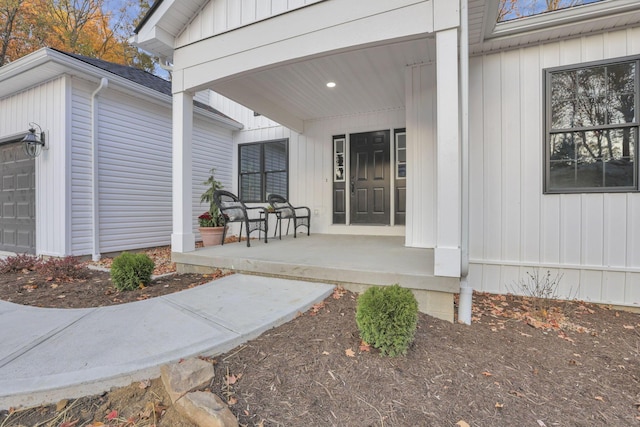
[{"x": 50, "y": 354}]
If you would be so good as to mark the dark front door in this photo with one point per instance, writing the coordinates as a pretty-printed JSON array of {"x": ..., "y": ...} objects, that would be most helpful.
[{"x": 370, "y": 180}]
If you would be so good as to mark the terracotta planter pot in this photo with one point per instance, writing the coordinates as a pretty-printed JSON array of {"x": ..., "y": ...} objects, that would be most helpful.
[{"x": 211, "y": 236}]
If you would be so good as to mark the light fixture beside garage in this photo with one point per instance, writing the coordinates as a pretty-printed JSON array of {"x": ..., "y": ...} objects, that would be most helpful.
[{"x": 34, "y": 142}]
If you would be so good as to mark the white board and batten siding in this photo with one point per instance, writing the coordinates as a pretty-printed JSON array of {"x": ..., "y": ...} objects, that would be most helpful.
[
  {"x": 45, "y": 104},
  {"x": 311, "y": 167},
  {"x": 219, "y": 16},
  {"x": 593, "y": 240}
]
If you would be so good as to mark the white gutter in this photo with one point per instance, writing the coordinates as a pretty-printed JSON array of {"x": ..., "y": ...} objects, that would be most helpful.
[
  {"x": 104, "y": 82},
  {"x": 466, "y": 292}
]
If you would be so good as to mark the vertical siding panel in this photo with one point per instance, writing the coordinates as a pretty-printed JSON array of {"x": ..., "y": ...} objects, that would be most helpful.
[
  {"x": 593, "y": 48},
  {"x": 592, "y": 229},
  {"x": 615, "y": 44},
  {"x": 570, "y": 227},
  {"x": 591, "y": 285},
  {"x": 633, "y": 231},
  {"x": 476, "y": 166},
  {"x": 511, "y": 141},
  {"x": 613, "y": 287},
  {"x": 571, "y": 51},
  {"x": 632, "y": 289},
  {"x": 278, "y": 6},
  {"x": 263, "y": 9},
  {"x": 219, "y": 16},
  {"x": 248, "y": 11},
  {"x": 80, "y": 158},
  {"x": 532, "y": 152},
  {"x": 234, "y": 14},
  {"x": 492, "y": 211},
  {"x": 615, "y": 236},
  {"x": 207, "y": 25}
]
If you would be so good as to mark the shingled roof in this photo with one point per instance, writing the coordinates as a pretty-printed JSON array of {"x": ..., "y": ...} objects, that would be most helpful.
[{"x": 138, "y": 76}]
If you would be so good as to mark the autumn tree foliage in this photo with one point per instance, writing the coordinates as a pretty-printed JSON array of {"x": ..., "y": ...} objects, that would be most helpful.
[{"x": 85, "y": 27}]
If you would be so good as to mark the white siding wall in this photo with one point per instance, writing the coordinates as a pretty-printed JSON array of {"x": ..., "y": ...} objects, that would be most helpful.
[
  {"x": 593, "y": 239},
  {"x": 421, "y": 156},
  {"x": 80, "y": 158},
  {"x": 311, "y": 163},
  {"x": 134, "y": 140},
  {"x": 219, "y": 16},
  {"x": 134, "y": 173},
  {"x": 212, "y": 148},
  {"x": 46, "y": 105}
]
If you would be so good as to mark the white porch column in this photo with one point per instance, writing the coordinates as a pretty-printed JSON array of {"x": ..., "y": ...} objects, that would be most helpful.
[
  {"x": 183, "y": 239},
  {"x": 448, "y": 208}
]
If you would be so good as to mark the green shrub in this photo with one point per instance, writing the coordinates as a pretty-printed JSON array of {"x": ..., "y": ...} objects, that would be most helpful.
[
  {"x": 387, "y": 318},
  {"x": 130, "y": 271}
]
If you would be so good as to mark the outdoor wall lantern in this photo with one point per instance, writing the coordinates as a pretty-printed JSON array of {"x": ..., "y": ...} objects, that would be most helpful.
[{"x": 34, "y": 142}]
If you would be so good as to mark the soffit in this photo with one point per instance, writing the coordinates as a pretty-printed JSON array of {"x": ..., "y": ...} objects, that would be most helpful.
[{"x": 368, "y": 79}]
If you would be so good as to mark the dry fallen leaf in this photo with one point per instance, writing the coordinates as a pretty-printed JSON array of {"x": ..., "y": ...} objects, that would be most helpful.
[
  {"x": 599, "y": 398},
  {"x": 364, "y": 346},
  {"x": 111, "y": 415},
  {"x": 232, "y": 400},
  {"x": 61, "y": 405},
  {"x": 487, "y": 374},
  {"x": 628, "y": 326},
  {"x": 349, "y": 352},
  {"x": 499, "y": 405},
  {"x": 462, "y": 424},
  {"x": 326, "y": 353}
]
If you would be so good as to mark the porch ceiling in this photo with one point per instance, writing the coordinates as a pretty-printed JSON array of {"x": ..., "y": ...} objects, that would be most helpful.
[{"x": 367, "y": 79}]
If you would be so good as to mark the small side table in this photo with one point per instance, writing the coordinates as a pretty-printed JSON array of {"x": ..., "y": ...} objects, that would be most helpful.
[{"x": 278, "y": 216}]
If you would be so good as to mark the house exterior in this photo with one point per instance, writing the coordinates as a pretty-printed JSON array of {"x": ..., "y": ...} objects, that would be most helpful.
[
  {"x": 104, "y": 182},
  {"x": 508, "y": 148}
]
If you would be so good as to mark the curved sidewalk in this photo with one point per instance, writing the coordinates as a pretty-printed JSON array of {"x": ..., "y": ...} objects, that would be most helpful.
[{"x": 50, "y": 354}]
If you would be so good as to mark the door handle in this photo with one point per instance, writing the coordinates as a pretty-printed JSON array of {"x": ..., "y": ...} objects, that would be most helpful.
[{"x": 353, "y": 188}]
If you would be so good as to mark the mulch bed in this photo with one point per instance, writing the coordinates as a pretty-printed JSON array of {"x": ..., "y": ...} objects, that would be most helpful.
[{"x": 576, "y": 364}]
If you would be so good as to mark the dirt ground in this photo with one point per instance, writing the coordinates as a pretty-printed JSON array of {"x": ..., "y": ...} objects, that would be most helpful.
[{"x": 569, "y": 364}]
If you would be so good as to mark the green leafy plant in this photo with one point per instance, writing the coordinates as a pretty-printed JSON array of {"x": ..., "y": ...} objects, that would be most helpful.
[
  {"x": 213, "y": 217},
  {"x": 131, "y": 271},
  {"x": 68, "y": 267},
  {"x": 19, "y": 262},
  {"x": 387, "y": 318}
]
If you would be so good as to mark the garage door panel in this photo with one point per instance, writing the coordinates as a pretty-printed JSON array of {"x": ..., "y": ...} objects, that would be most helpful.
[{"x": 17, "y": 200}]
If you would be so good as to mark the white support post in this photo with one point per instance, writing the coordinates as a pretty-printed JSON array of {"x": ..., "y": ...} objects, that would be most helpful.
[
  {"x": 448, "y": 206},
  {"x": 183, "y": 239}
]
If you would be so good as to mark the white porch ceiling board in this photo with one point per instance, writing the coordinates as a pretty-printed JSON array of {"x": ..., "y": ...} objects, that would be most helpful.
[{"x": 370, "y": 79}]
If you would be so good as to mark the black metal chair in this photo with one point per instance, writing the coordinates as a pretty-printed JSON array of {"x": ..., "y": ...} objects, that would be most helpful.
[
  {"x": 234, "y": 210},
  {"x": 301, "y": 215}
]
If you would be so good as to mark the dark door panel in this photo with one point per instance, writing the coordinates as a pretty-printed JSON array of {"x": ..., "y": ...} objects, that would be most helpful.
[{"x": 370, "y": 178}]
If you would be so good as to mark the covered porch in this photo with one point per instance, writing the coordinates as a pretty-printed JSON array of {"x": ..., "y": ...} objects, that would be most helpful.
[{"x": 354, "y": 262}]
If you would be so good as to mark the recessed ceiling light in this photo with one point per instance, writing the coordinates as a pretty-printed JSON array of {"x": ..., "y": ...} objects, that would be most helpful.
[{"x": 331, "y": 84}]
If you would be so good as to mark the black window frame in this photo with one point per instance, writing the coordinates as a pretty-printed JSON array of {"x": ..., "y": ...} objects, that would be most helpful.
[
  {"x": 263, "y": 172},
  {"x": 549, "y": 131}
]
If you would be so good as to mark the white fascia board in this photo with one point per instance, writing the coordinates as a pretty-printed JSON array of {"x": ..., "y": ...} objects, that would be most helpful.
[
  {"x": 156, "y": 41},
  {"x": 27, "y": 62},
  {"x": 304, "y": 33},
  {"x": 559, "y": 18}
]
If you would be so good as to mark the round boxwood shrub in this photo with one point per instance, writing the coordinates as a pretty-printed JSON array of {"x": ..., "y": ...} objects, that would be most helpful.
[
  {"x": 130, "y": 271},
  {"x": 387, "y": 318}
]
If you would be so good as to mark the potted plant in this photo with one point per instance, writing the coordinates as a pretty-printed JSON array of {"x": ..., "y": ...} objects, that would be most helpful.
[{"x": 211, "y": 222}]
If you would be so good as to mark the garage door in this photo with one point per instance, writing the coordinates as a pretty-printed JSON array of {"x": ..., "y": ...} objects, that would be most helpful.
[{"x": 17, "y": 200}]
